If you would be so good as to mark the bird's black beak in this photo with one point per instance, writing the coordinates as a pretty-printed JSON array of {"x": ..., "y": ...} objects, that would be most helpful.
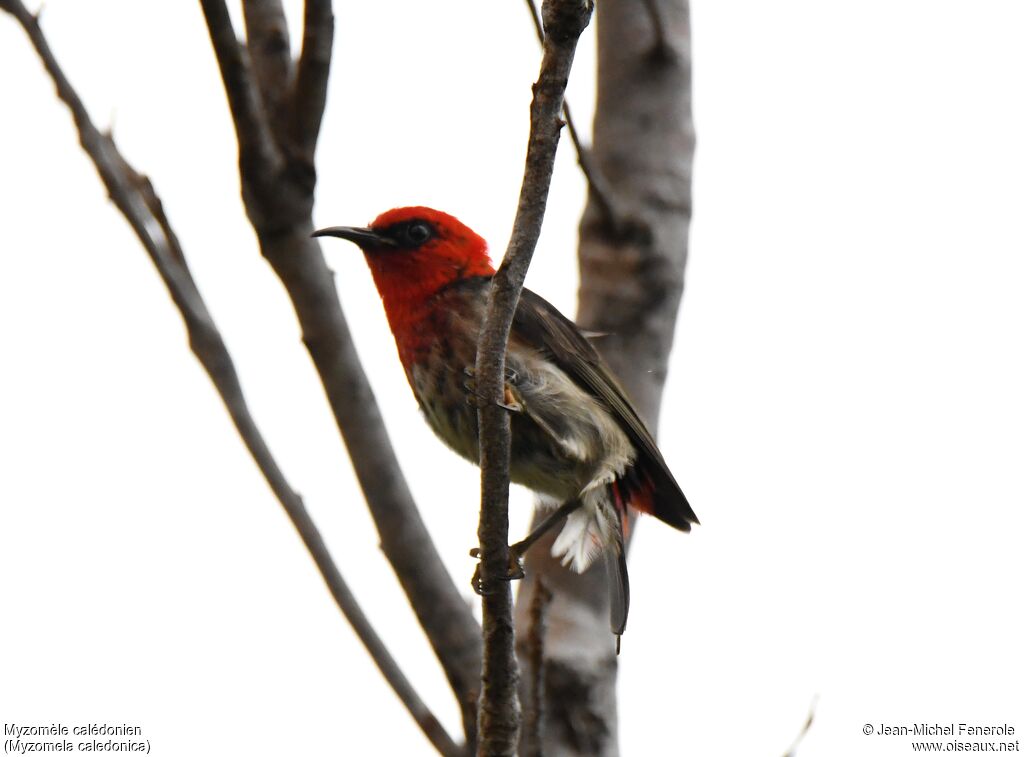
[{"x": 367, "y": 239}]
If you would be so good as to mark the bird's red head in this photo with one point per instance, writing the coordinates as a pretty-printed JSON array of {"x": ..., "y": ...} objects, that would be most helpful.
[{"x": 413, "y": 253}]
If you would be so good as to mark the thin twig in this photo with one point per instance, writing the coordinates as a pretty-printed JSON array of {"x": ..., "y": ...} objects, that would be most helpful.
[
  {"x": 310, "y": 89},
  {"x": 279, "y": 204},
  {"x": 134, "y": 196},
  {"x": 533, "y": 727},
  {"x": 499, "y": 714},
  {"x": 791, "y": 752},
  {"x": 598, "y": 187}
]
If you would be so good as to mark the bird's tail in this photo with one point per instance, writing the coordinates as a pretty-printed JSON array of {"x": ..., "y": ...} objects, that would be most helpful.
[
  {"x": 597, "y": 528},
  {"x": 649, "y": 487},
  {"x": 618, "y": 587}
]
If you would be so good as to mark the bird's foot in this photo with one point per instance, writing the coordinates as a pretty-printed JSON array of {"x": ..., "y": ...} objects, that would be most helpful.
[
  {"x": 515, "y": 570},
  {"x": 511, "y": 401}
]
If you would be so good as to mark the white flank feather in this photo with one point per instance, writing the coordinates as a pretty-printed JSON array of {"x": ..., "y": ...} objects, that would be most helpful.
[{"x": 587, "y": 531}]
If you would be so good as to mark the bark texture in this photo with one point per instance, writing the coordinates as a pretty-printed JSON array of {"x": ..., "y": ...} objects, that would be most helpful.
[
  {"x": 500, "y": 715},
  {"x": 631, "y": 282}
]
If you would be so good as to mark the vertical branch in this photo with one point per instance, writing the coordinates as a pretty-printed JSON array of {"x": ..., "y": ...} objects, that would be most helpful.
[
  {"x": 310, "y": 89},
  {"x": 266, "y": 32},
  {"x": 661, "y": 45},
  {"x": 256, "y": 148},
  {"x": 499, "y": 716},
  {"x": 631, "y": 280},
  {"x": 533, "y": 653}
]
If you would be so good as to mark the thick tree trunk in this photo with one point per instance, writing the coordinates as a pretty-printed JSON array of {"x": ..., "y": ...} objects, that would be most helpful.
[{"x": 631, "y": 280}]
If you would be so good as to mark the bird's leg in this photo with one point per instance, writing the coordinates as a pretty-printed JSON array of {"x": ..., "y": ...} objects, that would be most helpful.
[
  {"x": 515, "y": 569},
  {"x": 517, "y": 550},
  {"x": 511, "y": 401},
  {"x": 557, "y": 516}
]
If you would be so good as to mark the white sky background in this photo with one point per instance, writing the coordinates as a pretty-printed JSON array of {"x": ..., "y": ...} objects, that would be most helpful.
[{"x": 844, "y": 406}]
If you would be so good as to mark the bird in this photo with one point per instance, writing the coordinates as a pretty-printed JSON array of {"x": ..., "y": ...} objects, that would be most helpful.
[{"x": 576, "y": 439}]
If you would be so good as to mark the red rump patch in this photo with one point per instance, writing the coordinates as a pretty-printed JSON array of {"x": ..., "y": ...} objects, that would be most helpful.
[
  {"x": 643, "y": 497},
  {"x": 635, "y": 489}
]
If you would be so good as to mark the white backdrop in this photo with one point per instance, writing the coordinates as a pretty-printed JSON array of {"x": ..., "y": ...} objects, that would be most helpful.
[{"x": 844, "y": 407}]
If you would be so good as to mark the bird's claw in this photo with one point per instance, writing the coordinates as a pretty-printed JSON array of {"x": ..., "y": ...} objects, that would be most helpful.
[
  {"x": 515, "y": 571},
  {"x": 511, "y": 401},
  {"x": 472, "y": 398}
]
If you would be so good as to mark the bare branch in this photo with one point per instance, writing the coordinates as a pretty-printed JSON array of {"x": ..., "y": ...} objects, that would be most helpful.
[
  {"x": 279, "y": 202},
  {"x": 533, "y": 652},
  {"x": 791, "y": 752},
  {"x": 134, "y": 196},
  {"x": 257, "y": 150},
  {"x": 598, "y": 187},
  {"x": 499, "y": 714},
  {"x": 631, "y": 282},
  {"x": 310, "y": 93},
  {"x": 266, "y": 32},
  {"x": 441, "y": 610}
]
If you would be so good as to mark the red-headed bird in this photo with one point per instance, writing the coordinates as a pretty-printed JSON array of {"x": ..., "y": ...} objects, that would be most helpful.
[{"x": 576, "y": 439}]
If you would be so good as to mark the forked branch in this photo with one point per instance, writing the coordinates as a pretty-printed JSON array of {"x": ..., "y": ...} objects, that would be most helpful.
[
  {"x": 599, "y": 189},
  {"x": 279, "y": 201},
  {"x": 256, "y": 143},
  {"x": 134, "y": 196}
]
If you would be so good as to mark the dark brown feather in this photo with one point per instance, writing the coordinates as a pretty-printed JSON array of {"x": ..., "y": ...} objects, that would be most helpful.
[{"x": 539, "y": 323}]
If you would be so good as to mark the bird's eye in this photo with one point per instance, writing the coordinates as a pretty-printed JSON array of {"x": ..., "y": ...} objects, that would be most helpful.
[{"x": 418, "y": 233}]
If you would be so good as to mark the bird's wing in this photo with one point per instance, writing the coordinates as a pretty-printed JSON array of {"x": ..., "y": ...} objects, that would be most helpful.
[{"x": 650, "y": 485}]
